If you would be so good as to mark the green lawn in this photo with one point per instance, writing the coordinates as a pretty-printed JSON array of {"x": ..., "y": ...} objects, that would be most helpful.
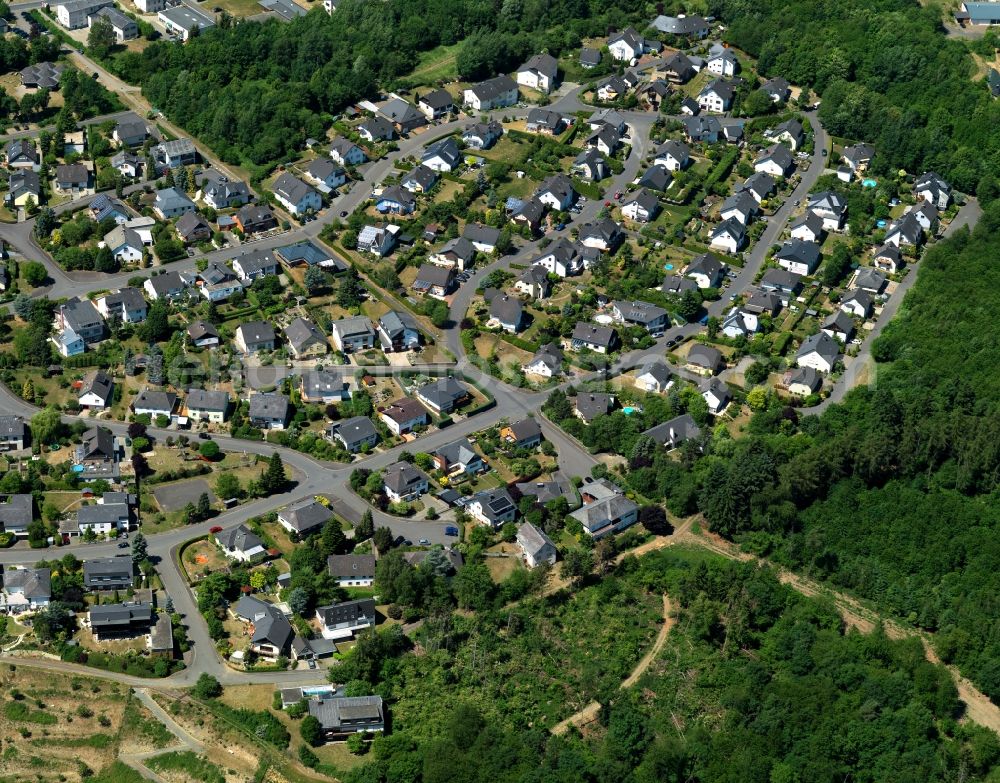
[{"x": 436, "y": 65}]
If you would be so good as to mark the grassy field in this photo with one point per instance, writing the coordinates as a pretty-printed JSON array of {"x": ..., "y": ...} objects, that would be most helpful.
[{"x": 435, "y": 65}]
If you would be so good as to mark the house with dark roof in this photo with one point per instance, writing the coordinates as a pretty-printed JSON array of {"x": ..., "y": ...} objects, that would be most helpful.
[
  {"x": 96, "y": 390},
  {"x": 419, "y": 179},
  {"x": 483, "y": 238},
  {"x": 269, "y": 410},
  {"x": 403, "y": 416},
  {"x": 523, "y": 434},
  {"x": 729, "y": 235},
  {"x": 376, "y": 129},
  {"x": 798, "y": 256},
  {"x": 443, "y": 395},
  {"x": 457, "y": 253},
  {"x": 654, "y": 378},
  {"x": 650, "y": 317},
  {"x": 352, "y": 570},
  {"x": 790, "y": 132},
  {"x": 607, "y": 517},
  {"x": 324, "y": 386},
  {"x": 395, "y": 200},
  {"x": 325, "y": 175},
  {"x": 397, "y": 331},
  {"x": 21, "y": 153},
  {"x": 210, "y": 406},
  {"x": 120, "y": 621},
  {"x": 590, "y": 58},
  {"x": 353, "y": 334},
  {"x": 839, "y": 325},
  {"x": 673, "y": 433},
  {"x": 192, "y": 227},
  {"x": 270, "y": 632},
  {"x": 355, "y": 434},
  {"x": 13, "y": 433},
  {"x": 436, "y": 104},
  {"x": 716, "y": 394},
  {"x": 295, "y": 195},
  {"x": 16, "y": 514},
  {"x": 404, "y": 482},
  {"x": 304, "y": 339},
  {"x": 153, "y": 403},
  {"x": 819, "y": 351},
  {"x": 594, "y": 337},
  {"x": 254, "y": 336},
  {"x": 587, "y": 406},
  {"x": 434, "y": 281},
  {"x": 202, "y": 334},
  {"x": 505, "y": 311},
  {"x": 219, "y": 192},
  {"x": 547, "y": 361},
  {"x": 496, "y": 93},
  {"x": 704, "y": 359},
  {"x": 343, "y": 620},
  {"x": 241, "y": 543},
  {"x": 539, "y": 73},
  {"x": 717, "y": 96},
  {"x": 255, "y": 218},
  {"x": 304, "y": 517},
  {"x": 458, "y": 457},
  {"x": 25, "y": 590},
  {"x": 803, "y": 381},
  {"x": 776, "y": 160},
  {"x": 482, "y": 135},
  {"x": 108, "y": 573},
  {"x": 341, "y": 716},
  {"x": 706, "y": 270},
  {"x": 492, "y": 507},
  {"x": 536, "y": 547}
]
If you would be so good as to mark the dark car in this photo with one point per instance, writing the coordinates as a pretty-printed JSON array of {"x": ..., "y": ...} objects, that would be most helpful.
[
  {"x": 95, "y": 75},
  {"x": 343, "y": 213},
  {"x": 204, "y": 436},
  {"x": 123, "y": 545}
]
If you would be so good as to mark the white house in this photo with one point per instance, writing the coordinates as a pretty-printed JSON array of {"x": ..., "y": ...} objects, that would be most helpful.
[
  {"x": 722, "y": 63},
  {"x": 539, "y": 73},
  {"x": 495, "y": 93},
  {"x": 626, "y": 45},
  {"x": 729, "y": 236},
  {"x": 536, "y": 547},
  {"x": 819, "y": 351},
  {"x": 295, "y": 195}
]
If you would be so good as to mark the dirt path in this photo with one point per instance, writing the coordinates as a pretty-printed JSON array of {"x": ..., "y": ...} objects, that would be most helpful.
[
  {"x": 589, "y": 713},
  {"x": 978, "y": 707}
]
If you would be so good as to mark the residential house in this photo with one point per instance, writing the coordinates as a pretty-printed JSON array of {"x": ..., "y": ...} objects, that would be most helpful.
[
  {"x": 269, "y": 411},
  {"x": 23, "y": 186},
  {"x": 740, "y": 206},
  {"x": 210, "y": 406},
  {"x": 760, "y": 185},
  {"x": 295, "y": 195},
  {"x": 442, "y": 156},
  {"x": 546, "y": 363},
  {"x": 534, "y": 283},
  {"x": 254, "y": 336},
  {"x": 798, "y": 256},
  {"x": 356, "y": 433},
  {"x": 591, "y": 165},
  {"x": 803, "y": 381},
  {"x": 125, "y": 305},
  {"x": 202, "y": 334},
  {"x": 457, "y": 253},
  {"x": 641, "y": 206},
  {"x": 419, "y": 179},
  {"x": 831, "y": 207},
  {"x": 505, "y": 311},
  {"x": 678, "y": 69},
  {"x": 677, "y": 285},
  {"x": 108, "y": 573},
  {"x": 717, "y": 395},
  {"x": 82, "y": 317},
  {"x": 858, "y": 157},
  {"x": 378, "y": 240},
  {"x": 119, "y": 621},
  {"x": 175, "y": 153},
  {"x": 839, "y": 326},
  {"x": 776, "y": 160},
  {"x": 304, "y": 339},
  {"x": 126, "y": 244},
  {"x": 528, "y": 213},
  {"x": 682, "y": 26},
  {"x": 495, "y": 93},
  {"x": 26, "y": 590},
  {"x": 607, "y": 516},
  {"x": 536, "y": 547},
  {"x": 353, "y": 334},
  {"x": 556, "y": 192},
  {"x": 96, "y": 391},
  {"x": 539, "y": 73},
  {"x": 593, "y": 337},
  {"x": 604, "y": 235},
  {"x": 704, "y": 359},
  {"x": 403, "y": 482},
  {"x": 184, "y": 21},
  {"x": 739, "y": 323},
  {"x": 172, "y": 203},
  {"x": 493, "y": 507},
  {"x": 888, "y": 259},
  {"x": 343, "y": 620},
  {"x": 819, "y": 351},
  {"x": 325, "y": 175},
  {"x": 308, "y": 253},
  {"x": 346, "y": 152},
  {"x": 324, "y": 386},
  {"x": 777, "y": 89},
  {"x": 22, "y": 154},
  {"x": 304, "y": 516},
  {"x": 13, "y": 433},
  {"x": 436, "y": 104},
  {"x": 73, "y": 14},
  {"x": 130, "y": 131},
  {"x": 546, "y": 121},
  {"x": 42, "y": 76},
  {"x": 655, "y": 178},
  {"x": 255, "y": 219},
  {"x": 717, "y": 96},
  {"x": 375, "y": 129},
  {"x": 650, "y": 317},
  {"x": 654, "y": 378},
  {"x": 397, "y": 114},
  {"x": 397, "y": 331},
  {"x": 219, "y": 192},
  {"x": 192, "y": 228},
  {"x": 458, "y": 457},
  {"x": 403, "y": 416},
  {"x": 722, "y": 62},
  {"x": 932, "y": 188},
  {"x": 443, "y": 395},
  {"x": 706, "y": 270},
  {"x": 395, "y": 200},
  {"x": 590, "y": 58},
  {"x": 729, "y": 235},
  {"x": 791, "y": 133},
  {"x": 905, "y": 230},
  {"x": 523, "y": 434},
  {"x": 16, "y": 514},
  {"x": 870, "y": 280},
  {"x": 352, "y": 570},
  {"x": 673, "y": 155},
  {"x": 270, "y": 632},
  {"x": 341, "y": 716},
  {"x": 72, "y": 178},
  {"x": 761, "y": 302},
  {"x": 926, "y": 215},
  {"x": 484, "y": 238},
  {"x": 154, "y": 403},
  {"x": 808, "y": 227},
  {"x": 103, "y": 519},
  {"x": 434, "y": 281},
  {"x": 482, "y": 135},
  {"x": 616, "y": 87},
  {"x": 626, "y": 45},
  {"x": 587, "y": 406},
  {"x": 858, "y": 303}
]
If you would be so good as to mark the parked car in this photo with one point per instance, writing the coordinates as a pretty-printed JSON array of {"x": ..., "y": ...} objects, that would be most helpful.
[
  {"x": 215, "y": 529},
  {"x": 123, "y": 545},
  {"x": 204, "y": 436},
  {"x": 451, "y": 530}
]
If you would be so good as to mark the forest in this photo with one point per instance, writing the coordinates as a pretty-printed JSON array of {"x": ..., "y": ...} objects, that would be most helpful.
[
  {"x": 886, "y": 74},
  {"x": 254, "y": 92},
  {"x": 756, "y": 684}
]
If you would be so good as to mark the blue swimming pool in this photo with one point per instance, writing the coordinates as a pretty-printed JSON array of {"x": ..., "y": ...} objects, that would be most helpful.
[{"x": 868, "y": 183}]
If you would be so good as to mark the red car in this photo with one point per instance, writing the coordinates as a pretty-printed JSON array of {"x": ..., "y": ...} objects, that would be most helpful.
[{"x": 215, "y": 529}]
